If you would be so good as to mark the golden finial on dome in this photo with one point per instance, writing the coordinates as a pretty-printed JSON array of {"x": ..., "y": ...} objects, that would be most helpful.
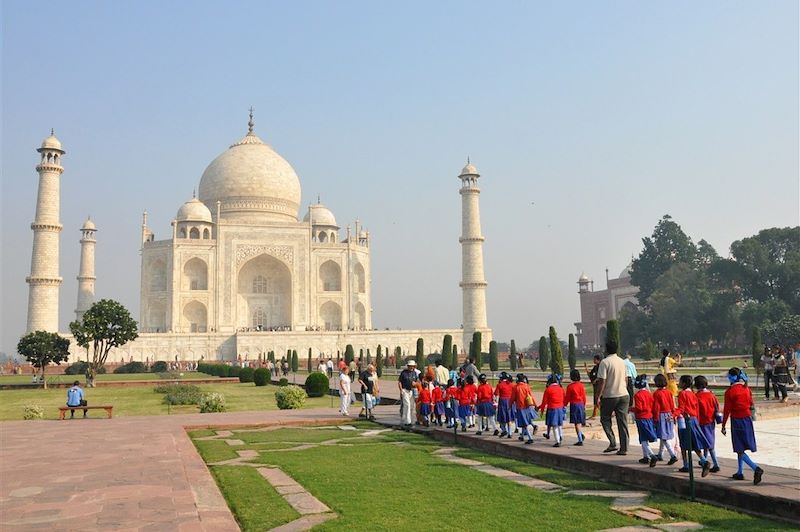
[{"x": 250, "y": 122}]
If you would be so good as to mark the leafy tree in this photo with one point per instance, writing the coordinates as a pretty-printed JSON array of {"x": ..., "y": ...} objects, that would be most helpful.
[
  {"x": 41, "y": 348},
  {"x": 544, "y": 353},
  {"x": 556, "y": 358},
  {"x": 420, "y": 356},
  {"x": 447, "y": 351},
  {"x": 767, "y": 266},
  {"x": 612, "y": 331},
  {"x": 476, "y": 349},
  {"x": 398, "y": 357},
  {"x": 309, "y": 367},
  {"x": 649, "y": 350},
  {"x": 786, "y": 331},
  {"x": 379, "y": 362},
  {"x": 512, "y": 355},
  {"x": 722, "y": 317},
  {"x": 295, "y": 361},
  {"x": 679, "y": 304},
  {"x": 668, "y": 246},
  {"x": 349, "y": 354},
  {"x": 757, "y": 348},
  {"x": 634, "y": 324},
  {"x": 106, "y": 325},
  {"x": 757, "y": 314},
  {"x": 571, "y": 359},
  {"x": 493, "y": 362}
]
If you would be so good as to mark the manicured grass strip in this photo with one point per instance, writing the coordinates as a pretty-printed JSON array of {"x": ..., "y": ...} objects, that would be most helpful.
[
  {"x": 202, "y": 433},
  {"x": 253, "y": 501},
  {"x": 104, "y": 377},
  {"x": 143, "y": 401},
  {"x": 562, "y": 478},
  {"x": 711, "y": 517},
  {"x": 299, "y": 435},
  {"x": 216, "y": 450}
]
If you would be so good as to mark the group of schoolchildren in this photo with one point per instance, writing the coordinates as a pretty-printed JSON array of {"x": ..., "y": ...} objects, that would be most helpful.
[{"x": 463, "y": 402}]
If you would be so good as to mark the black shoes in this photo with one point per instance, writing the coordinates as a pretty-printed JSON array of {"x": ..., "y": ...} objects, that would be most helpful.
[
  {"x": 621, "y": 452},
  {"x": 672, "y": 460},
  {"x": 757, "y": 474},
  {"x": 557, "y": 444},
  {"x": 706, "y": 469},
  {"x": 737, "y": 476},
  {"x": 683, "y": 470},
  {"x": 653, "y": 460},
  {"x": 610, "y": 449},
  {"x": 714, "y": 469},
  {"x": 579, "y": 444},
  {"x": 644, "y": 460}
]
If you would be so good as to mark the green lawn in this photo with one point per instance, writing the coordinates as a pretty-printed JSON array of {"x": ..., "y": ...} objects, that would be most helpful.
[
  {"x": 105, "y": 377},
  {"x": 392, "y": 481},
  {"x": 142, "y": 400}
]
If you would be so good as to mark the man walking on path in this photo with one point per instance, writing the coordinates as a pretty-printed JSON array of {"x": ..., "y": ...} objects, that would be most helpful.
[
  {"x": 405, "y": 383},
  {"x": 442, "y": 373},
  {"x": 612, "y": 396}
]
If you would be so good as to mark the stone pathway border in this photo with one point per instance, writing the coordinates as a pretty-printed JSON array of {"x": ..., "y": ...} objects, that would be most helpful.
[{"x": 312, "y": 511}]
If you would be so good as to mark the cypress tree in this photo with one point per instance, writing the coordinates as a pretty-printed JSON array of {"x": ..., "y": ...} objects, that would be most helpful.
[
  {"x": 571, "y": 359},
  {"x": 556, "y": 360},
  {"x": 493, "y": 362},
  {"x": 476, "y": 349},
  {"x": 757, "y": 348},
  {"x": 308, "y": 366},
  {"x": 612, "y": 332},
  {"x": 512, "y": 355},
  {"x": 369, "y": 357},
  {"x": 454, "y": 358},
  {"x": 544, "y": 353},
  {"x": 420, "y": 353},
  {"x": 349, "y": 354},
  {"x": 379, "y": 362},
  {"x": 295, "y": 361},
  {"x": 398, "y": 356},
  {"x": 447, "y": 350},
  {"x": 361, "y": 355}
]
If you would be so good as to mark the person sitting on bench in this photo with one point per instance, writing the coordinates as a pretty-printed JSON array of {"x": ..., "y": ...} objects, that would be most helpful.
[{"x": 75, "y": 398}]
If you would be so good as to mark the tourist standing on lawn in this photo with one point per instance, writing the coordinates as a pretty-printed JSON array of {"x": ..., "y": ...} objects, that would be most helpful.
[
  {"x": 344, "y": 392},
  {"x": 671, "y": 364},
  {"x": 780, "y": 375},
  {"x": 75, "y": 397},
  {"x": 405, "y": 383},
  {"x": 612, "y": 398},
  {"x": 576, "y": 397},
  {"x": 738, "y": 406}
]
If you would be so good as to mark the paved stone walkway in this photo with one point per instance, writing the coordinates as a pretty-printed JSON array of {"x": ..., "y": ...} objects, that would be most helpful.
[{"x": 134, "y": 473}]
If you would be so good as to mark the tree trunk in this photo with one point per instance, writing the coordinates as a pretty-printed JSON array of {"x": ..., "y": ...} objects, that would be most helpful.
[
  {"x": 90, "y": 375},
  {"x": 44, "y": 381}
]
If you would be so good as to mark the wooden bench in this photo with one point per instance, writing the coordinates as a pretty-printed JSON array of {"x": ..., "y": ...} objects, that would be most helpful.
[{"x": 62, "y": 410}]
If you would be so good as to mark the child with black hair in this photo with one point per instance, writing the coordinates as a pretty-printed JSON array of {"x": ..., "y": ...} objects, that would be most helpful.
[
  {"x": 643, "y": 411},
  {"x": 689, "y": 431},
  {"x": 451, "y": 403},
  {"x": 663, "y": 409},
  {"x": 708, "y": 417},
  {"x": 485, "y": 406},
  {"x": 738, "y": 406},
  {"x": 466, "y": 398},
  {"x": 503, "y": 391},
  {"x": 526, "y": 408},
  {"x": 576, "y": 398},
  {"x": 437, "y": 396},
  {"x": 553, "y": 401}
]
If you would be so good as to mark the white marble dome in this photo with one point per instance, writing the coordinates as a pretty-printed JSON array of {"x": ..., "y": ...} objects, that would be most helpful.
[
  {"x": 88, "y": 225},
  {"x": 583, "y": 278},
  {"x": 469, "y": 169},
  {"x": 252, "y": 183},
  {"x": 193, "y": 210},
  {"x": 320, "y": 215},
  {"x": 51, "y": 143}
]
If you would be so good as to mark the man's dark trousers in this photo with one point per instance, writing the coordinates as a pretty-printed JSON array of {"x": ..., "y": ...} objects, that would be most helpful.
[{"x": 619, "y": 407}]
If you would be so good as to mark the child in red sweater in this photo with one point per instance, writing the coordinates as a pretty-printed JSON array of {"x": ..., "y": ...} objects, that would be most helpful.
[
  {"x": 485, "y": 406},
  {"x": 708, "y": 417},
  {"x": 424, "y": 401},
  {"x": 451, "y": 403},
  {"x": 738, "y": 407},
  {"x": 576, "y": 398},
  {"x": 466, "y": 398},
  {"x": 553, "y": 400},
  {"x": 504, "y": 391},
  {"x": 643, "y": 411},
  {"x": 689, "y": 431},
  {"x": 437, "y": 396},
  {"x": 663, "y": 408}
]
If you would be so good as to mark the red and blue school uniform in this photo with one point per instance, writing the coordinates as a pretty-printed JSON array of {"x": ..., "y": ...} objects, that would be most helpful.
[
  {"x": 451, "y": 405},
  {"x": 642, "y": 409},
  {"x": 504, "y": 391},
  {"x": 466, "y": 398},
  {"x": 437, "y": 396},
  {"x": 576, "y": 398},
  {"x": 424, "y": 401},
  {"x": 526, "y": 408},
  {"x": 553, "y": 400},
  {"x": 708, "y": 410},
  {"x": 485, "y": 406},
  {"x": 737, "y": 406},
  {"x": 687, "y": 406},
  {"x": 663, "y": 413}
]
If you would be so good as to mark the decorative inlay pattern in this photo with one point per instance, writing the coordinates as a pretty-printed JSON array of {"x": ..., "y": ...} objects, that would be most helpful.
[{"x": 246, "y": 252}]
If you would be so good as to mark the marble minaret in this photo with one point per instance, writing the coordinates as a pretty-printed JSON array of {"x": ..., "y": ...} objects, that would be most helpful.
[
  {"x": 86, "y": 277},
  {"x": 44, "y": 281},
  {"x": 473, "y": 283}
]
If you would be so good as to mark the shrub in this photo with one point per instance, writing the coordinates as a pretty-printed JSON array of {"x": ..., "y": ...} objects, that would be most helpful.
[
  {"x": 131, "y": 367},
  {"x": 170, "y": 375},
  {"x": 80, "y": 367},
  {"x": 32, "y": 411},
  {"x": 261, "y": 376},
  {"x": 246, "y": 375},
  {"x": 283, "y": 382},
  {"x": 180, "y": 394},
  {"x": 212, "y": 402},
  {"x": 159, "y": 366},
  {"x": 290, "y": 397},
  {"x": 317, "y": 384},
  {"x": 233, "y": 371}
]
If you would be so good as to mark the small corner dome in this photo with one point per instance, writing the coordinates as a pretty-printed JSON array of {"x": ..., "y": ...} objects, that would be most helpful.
[
  {"x": 51, "y": 143},
  {"x": 320, "y": 215},
  {"x": 469, "y": 170},
  {"x": 88, "y": 225},
  {"x": 624, "y": 274},
  {"x": 194, "y": 210},
  {"x": 584, "y": 278}
]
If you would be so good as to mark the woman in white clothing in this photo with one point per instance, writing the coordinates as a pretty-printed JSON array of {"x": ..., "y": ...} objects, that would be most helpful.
[{"x": 344, "y": 391}]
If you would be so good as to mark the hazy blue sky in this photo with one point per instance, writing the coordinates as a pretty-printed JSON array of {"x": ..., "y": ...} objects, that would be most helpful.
[{"x": 587, "y": 120}]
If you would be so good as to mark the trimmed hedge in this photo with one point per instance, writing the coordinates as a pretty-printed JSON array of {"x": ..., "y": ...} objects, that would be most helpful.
[
  {"x": 131, "y": 367},
  {"x": 80, "y": 367},
  {"x": 289, "y": 397},
  {"x": 246, "y": 375},
  {"x": 261, "y": 376},
  {"x": 159, "y": 366},
  {"x": 317, "y": 384},
  {"x": 283, "y": 382}
]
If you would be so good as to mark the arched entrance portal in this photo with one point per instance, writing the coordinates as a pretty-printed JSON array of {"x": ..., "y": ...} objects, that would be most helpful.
[{"x": 264, "y": 294}]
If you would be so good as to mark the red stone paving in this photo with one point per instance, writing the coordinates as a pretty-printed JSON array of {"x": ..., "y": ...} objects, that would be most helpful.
[{"x": 129, "y": 473}]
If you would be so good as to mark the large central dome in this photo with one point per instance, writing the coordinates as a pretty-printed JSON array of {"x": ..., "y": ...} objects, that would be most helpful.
[{"x": 252, "y": 183}]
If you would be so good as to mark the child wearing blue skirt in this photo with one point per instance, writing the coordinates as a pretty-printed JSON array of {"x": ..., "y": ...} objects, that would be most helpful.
[
  {"x": 643, "y": 411},
  {"x": 526, "y": 408},
  {"x": 576, "y": 399},
  {"x": 738, "y": 407},
  {"x": 451, "y": 403},
  {"x": 504, "y": 392},
  {"x": 708, "y": 417},
  {"x": 663, "y": 413},
  {"x": 689, "y": 431},
  {"x": 553, "y": 401}
]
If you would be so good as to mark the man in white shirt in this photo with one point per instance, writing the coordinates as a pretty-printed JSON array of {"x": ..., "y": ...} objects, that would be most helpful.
[
  {"x": 442, "y": 373},
  {"x": 613, "y": 398}
]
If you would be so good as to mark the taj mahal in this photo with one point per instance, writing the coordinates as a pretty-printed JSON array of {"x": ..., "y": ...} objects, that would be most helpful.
[{"x": 240, "y": 273}]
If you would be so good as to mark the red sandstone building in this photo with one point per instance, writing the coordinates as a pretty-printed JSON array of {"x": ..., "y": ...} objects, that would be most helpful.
[{"x": 599, "y": 306}]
